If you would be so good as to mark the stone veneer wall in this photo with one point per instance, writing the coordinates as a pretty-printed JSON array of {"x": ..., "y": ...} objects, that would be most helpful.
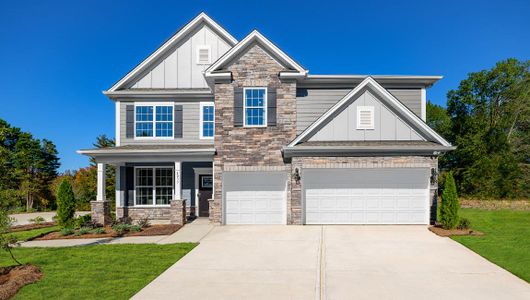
[
  {"x": 295, "y": 209},
  {"x": 135, "y": 213},
  {"x": 251, "y": 147}
]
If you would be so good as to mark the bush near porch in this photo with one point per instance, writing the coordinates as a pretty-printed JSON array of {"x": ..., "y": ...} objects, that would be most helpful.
[
  {"x": 506, "y": 239},
  {"x": 96, "y": 272}
]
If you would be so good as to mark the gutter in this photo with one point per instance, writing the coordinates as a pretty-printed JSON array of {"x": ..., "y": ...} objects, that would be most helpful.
[
  {"x": 361, "y": 151},
  {"x": 131, "y": 152}
]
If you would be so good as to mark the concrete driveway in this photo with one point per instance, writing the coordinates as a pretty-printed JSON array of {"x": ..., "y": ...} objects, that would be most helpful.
[{"x": 332, "y": 262}]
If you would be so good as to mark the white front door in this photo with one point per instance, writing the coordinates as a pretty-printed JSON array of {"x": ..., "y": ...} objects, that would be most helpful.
[
  {"x": 254, "y": 197},
  {"x": 366, "y": 196}
]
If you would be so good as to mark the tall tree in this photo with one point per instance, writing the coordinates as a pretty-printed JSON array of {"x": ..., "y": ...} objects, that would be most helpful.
[{"x": 489, "y": 125}]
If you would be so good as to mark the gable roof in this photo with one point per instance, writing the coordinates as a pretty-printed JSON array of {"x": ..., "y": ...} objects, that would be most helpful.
[
  {"x": 177, "y": 37},
  {"x": 403, "y": 112},
  {"x": 216, "y": 69}
]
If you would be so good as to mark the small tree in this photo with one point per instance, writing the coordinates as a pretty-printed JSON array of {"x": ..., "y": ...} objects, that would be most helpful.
[
  {"x": 65, "y": 204},
  {"x": 450, "y": 205},
  {"x": 7, "y": 241}
]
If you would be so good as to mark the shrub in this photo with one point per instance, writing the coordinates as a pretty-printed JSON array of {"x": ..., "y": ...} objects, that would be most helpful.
[
  {"x": 67, "y": 231},
  {"x": 121, "y": 229},
  {"x": 85, "y": 221},
  {"x": 136, "y": 228},
  {"x": 450, "y": 205},
  {"x": 65, "y": 204},
  {"x": 37, "y": 220},
  {"x": 84, "y": 230},
  {"x": 464, "y": 223},
  {"x": 124, "y": 220},
  {"x": 7, "y": 241},
  {"x": 99, "y": 230},
  {"x": 143, "y": 222}
]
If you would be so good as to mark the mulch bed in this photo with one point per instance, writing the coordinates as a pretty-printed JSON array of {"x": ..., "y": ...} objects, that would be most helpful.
[
  {"x": 450, "y": 232},
  {"x": 14, "y": 278},
  {"x": 152, "y": 230},
  {"x": 31, "y": 226}
]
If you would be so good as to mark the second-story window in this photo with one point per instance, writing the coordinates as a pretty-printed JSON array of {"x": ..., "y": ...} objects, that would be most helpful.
[
  {"x": 154, "y": 121},
  {"x": 207, "y": 120},
  {"x": 255, "y": 107}
]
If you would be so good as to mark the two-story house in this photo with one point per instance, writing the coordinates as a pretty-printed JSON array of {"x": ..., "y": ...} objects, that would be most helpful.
[{"x": 240, "y": 132}]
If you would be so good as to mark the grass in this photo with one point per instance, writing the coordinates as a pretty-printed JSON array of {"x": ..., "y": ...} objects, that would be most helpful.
[
  {"x": 95, "y": 272},
  {"x": 33, "y": 233},
  {"x": 506, "y": 241}
]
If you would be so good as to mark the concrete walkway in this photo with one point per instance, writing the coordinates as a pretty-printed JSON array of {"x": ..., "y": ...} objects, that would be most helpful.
[
  {"x": 23, "y": 219},
  {"x": 332, "y": 262},
  {"x": 192, "y": 232}
]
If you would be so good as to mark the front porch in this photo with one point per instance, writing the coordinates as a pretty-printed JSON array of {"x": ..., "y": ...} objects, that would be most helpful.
[{"x": 163, "y": 186}]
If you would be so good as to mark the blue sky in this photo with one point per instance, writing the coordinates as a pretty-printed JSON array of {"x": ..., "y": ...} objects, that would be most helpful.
[{"x": 57, "y": 56}]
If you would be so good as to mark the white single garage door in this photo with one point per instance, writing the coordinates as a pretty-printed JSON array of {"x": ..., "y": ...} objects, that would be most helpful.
[
  {"x": 366, "y": 196},
  {"x": 255, "y": 197}
]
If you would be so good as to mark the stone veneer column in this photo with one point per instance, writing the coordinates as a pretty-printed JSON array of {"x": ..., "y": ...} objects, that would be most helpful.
[
  {"x": 257, "y": 146},
  {"x": 177, "y": 212},
  {"x": 101, "y": 212}
]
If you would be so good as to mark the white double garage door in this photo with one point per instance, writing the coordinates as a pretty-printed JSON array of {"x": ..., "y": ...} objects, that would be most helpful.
[{"x": 330, "y": 196}]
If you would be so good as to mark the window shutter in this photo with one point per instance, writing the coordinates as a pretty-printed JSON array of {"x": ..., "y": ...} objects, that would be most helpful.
[
  {"x": 177, "y": 119},
  {"x": 271, "y": 106},
  {"x": 129, "y": 186},
  {"x": 238, "y": 107},
  {"x": 129, "y": 121}
]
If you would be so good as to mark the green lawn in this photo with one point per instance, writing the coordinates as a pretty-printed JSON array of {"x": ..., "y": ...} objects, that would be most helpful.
[
  {"x": 506, "y": 241},
  {"x": 33, "y": 233},
  {"x": 95, "y": 272}
]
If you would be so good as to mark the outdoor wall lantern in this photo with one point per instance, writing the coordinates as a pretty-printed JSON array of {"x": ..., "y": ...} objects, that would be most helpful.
[
  {"x": 434, "y": 176},
  {"x": 296, "y": 175}
]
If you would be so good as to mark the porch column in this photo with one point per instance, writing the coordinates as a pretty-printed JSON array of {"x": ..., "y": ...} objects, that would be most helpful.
[
  {"x": 101, "y": 207},
  {"x": 178, "y": 180},
  {"x": 102, "y": 177}
]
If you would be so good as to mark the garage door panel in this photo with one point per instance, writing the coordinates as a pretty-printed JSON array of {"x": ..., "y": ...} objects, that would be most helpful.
[
  {"x": 366, "y": 196},
  {"x": 254, "y": 197}
]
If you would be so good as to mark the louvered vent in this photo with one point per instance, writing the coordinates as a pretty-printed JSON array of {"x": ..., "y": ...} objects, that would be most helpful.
[
  {"x": 365, "y": 117},
  {"x": 203, "y": 55}
]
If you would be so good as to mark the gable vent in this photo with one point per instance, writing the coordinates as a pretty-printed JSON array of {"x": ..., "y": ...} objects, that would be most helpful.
[
  {"x": 365, "y": 117},
  {"x": 203, "y": 55}
]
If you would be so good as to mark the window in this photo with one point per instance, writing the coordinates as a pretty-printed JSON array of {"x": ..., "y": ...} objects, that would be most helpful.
[
  {"x": 365, "y": 117},
  {"x": 254, "y": 107},
  {"x": 207, "y": 120},
  {"x": 203, "y": 55},
  {"x": 153, "y": 184},
  {"x": 160, "y": 126}
]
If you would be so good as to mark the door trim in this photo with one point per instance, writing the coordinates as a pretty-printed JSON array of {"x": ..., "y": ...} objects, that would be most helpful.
[{"x": 197, "y": 172}]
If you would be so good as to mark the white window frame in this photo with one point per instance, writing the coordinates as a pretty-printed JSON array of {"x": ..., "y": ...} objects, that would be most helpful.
[
  {"x": 245, "y": 106},
  {"x": 372, "y": 117},
  {"x": 202, "y": 105},
  {"x": 154, "y": 105},
  {"x": 204, "y": 47},
  {"x": 154, "y": 185}
]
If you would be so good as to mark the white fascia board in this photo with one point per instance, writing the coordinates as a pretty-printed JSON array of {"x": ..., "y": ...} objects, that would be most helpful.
[
  {"x": 369, "y": 81},
  {"x": 425, "y": 80},
  {"x": 254, "y": 36},
  {"x": 424, "y": 104},
  {"x": 202, "y": 17},
  {"x": 117, "y": 138}
]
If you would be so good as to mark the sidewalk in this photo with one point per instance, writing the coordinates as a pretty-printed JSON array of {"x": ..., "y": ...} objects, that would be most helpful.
[{"x": 193, "y": 232}]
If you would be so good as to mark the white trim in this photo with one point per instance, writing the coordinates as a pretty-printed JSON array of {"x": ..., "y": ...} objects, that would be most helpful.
[
  {"x": 369, "y": 109},
  {"x": 117, "y": 137},
  {"x": 153, "y": 187},
  {"x": 254, "y": 36},
  {"x": 424, "y": 104},
  {"x": 390, "y": 99},
  {"x": 101, "y": 181},
  {"x": 177, "y": 174},
  {"x": 204, "y": 47},
  {"x": 264, "y": 106},
  {"x": 197, "y": 172},
  {"x": 202, "y": 17},
  {"x": 201, "y": 106},
  {"x": 154, "y": 105}
]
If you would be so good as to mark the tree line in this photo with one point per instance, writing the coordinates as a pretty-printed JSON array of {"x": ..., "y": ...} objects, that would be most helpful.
[{"x": 488, "y": 119}]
